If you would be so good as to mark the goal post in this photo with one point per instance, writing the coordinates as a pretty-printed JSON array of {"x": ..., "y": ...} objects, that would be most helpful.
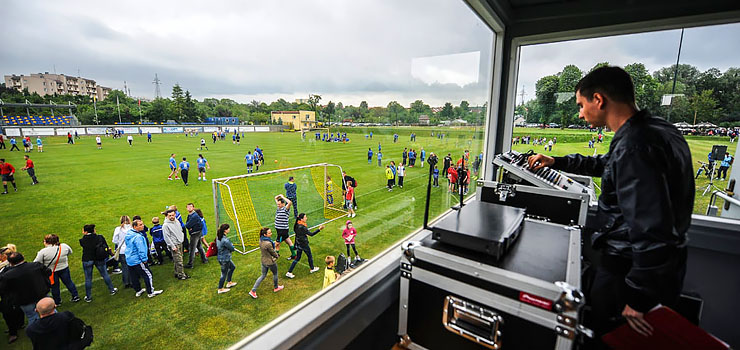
[{"x": 246, "y": 202}]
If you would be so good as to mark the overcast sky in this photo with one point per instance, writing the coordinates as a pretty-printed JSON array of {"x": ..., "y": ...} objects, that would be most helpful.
[{"x": 348, "y": 51}]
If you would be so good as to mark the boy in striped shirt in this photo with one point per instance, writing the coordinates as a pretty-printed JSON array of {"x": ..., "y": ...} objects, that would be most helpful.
[{"x": 282, "y": 216}]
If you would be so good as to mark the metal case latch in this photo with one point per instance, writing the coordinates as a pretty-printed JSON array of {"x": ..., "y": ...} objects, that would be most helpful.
[
  {"x": 504, "y": 191},
  {"x": 472, "y": 322}
]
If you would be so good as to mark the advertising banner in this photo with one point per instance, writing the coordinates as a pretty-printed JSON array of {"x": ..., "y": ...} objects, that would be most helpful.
[
  {"x": 39, "y": 131},
  {"x": 151, "y": 129},
  {"x": 210, "y": 128},
  {"x": 12, "y": 132},
  {"x": 171, "y": 129},
  {"x": 246, "y": 129},
  {"x": 64, "y": 131},
  {"x": 128, "y": 130},
  {"x": 96, "y": 131},
  {"x": 261, "y": 128}
]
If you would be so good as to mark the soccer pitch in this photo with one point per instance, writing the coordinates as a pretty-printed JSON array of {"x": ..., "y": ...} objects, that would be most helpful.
[{"x": 80, "y": 185}]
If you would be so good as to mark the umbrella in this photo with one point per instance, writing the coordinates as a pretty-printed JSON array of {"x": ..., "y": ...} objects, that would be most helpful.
[{"x": 705, "y": 125}]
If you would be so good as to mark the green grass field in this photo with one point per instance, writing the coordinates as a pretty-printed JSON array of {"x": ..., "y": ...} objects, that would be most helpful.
[{"x": 80, "y": 184}]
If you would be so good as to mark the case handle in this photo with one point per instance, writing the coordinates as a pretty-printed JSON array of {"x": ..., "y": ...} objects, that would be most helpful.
[{"x": 472, "y": 322}]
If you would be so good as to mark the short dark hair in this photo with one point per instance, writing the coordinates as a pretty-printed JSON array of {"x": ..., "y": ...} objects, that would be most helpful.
[
  {"x": 300, "y": 216},
  {"x": 90, "y": 228},
  {"x": 15, "y": 258},
  {"x": 183, "y": 158},
  {"x": 613, "y": 82},
  {"x": 168, "y": 211}
]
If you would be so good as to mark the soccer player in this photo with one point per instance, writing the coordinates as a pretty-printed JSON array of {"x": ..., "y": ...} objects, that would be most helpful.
[
  {"x": 348, "y": 197},
  {"x": 39, "y": 144},
  {"x": 14, "y": 145},
  {"x": 203, "y": 144},
  {"x": 291, "y": 192},
  {"x": 249, "y": 158},
  {"x": 184, "y": 168},
  {"x": 380, "y": 159},
  {"x": 26, "y": 145},
  {"x": 69, "y": 138},
  {"x": 282, "y": 216},
  {"x": 130, "y": 140},
  {"x": 173, "y": 166},
  {"x": 202, "y": 164},
  {"x": 99, "y": 142},
  {"x": 2, "y": 141},
  {"x": 238, "y": 140},
  {"x": 260, "y": 156},
  {"x": 369, "y": 155},
  {"x": 30, "y": 169},
  {"x": 148, "y": 137},
  {"x": 7, "y": 171},
  {"x": 389, "y": 177},
  {"x": 401, "y": 174},
  {"x": 329, "y": 191}
]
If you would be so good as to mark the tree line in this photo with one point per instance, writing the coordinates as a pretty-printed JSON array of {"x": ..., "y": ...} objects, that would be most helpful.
[
  {"x": 708, "y": 96},
  {"x": 182, "y": 107}
]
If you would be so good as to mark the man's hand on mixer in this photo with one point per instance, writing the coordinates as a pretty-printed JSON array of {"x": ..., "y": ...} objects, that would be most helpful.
[{"x": 538, "y": 161}]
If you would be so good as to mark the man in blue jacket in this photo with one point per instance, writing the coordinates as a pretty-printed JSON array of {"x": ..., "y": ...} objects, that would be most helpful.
[
  {"x": 195, "y": 227},
  {"x": 136, "y": 258}
]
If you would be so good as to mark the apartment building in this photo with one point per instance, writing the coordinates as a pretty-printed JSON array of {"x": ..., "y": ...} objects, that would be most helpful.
[
  {"x": 297, "y": 120},
  {"x": 49, "y": 84}
]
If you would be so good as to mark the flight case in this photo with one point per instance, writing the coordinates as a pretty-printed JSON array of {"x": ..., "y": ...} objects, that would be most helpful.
[{"x": 455, "y": 298}]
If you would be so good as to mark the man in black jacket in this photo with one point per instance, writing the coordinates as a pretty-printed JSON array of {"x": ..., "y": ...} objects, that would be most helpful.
[
  {"x": 195, "y": 227},
  {"x": 645, "y": 206},
  {"x": 95, "y": 251},
  {"x": 51, "y": 331},
  {"x": 25, "y": 283},
  {"x": 301, "y": 244}
]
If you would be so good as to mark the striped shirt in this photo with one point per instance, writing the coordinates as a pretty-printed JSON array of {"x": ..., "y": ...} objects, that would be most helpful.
[{"x": 281, "y": 218}]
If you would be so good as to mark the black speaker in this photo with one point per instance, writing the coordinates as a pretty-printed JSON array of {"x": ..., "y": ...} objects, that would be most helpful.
[{"x": 718, "y": 152}]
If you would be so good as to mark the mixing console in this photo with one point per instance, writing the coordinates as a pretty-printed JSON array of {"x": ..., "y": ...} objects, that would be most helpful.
[{"x": 516, "y": 163}]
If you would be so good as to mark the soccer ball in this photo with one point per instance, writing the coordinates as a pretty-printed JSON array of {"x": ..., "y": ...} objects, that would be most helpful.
[{"x": 275, "y": 160}]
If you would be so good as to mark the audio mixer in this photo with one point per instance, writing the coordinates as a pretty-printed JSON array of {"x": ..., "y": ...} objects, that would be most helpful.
[{"x": 516, "y": 163}]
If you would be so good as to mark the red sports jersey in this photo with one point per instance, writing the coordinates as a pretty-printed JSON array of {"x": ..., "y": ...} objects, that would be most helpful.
[
  {"x": 29, "y": 163},
  {"x": 6, "y": 168}
]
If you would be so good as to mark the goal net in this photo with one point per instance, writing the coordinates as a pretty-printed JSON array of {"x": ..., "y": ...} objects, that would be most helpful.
[{"x": 247, "y": 202}]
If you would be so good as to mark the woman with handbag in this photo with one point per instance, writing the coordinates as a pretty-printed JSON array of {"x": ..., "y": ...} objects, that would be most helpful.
[
  {"x": 119, "y": 255},
  {"x": 55, "y": 257},
  {"x": 269, "y": 262}
]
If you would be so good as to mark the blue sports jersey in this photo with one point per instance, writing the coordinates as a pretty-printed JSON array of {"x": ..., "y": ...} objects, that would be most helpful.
[
  {"x": 205, "y": 228},
  {"x": 369, "y": 154},
  {"x": 249, "y": 158},
  {"x": 184, "y": 165},
  {"x": 258, "y": 150},
  {"x": 380, "y": 155},
  {"x": 173, "y": 163},
  {"x": 423, "y": 154},
  {"x": 201, "y": 162},
  {"x": 38, "y": 142}
]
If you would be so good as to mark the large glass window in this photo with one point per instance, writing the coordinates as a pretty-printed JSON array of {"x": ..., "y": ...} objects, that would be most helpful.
[{"x": 703, "y": 100}]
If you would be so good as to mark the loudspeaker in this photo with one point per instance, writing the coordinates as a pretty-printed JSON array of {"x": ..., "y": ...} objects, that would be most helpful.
[{"x": 718, "y": 152}]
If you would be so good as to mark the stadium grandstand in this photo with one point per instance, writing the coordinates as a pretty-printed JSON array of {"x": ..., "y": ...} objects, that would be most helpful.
[{"x": 37, "y": 120}]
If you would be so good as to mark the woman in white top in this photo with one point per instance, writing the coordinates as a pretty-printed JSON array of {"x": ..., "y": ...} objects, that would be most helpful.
[
  {"x": 55, "y": 257},
  {"x": 120, "y": 243}
]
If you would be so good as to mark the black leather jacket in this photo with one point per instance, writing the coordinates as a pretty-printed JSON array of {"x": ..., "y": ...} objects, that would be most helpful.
[{"x": 645, "y": 206}]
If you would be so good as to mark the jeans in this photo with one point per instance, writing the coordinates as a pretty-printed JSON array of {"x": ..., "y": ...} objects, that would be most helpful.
[
  {"x": 227, "y": 269},
  {"x": 295, "y": 205},
  {"x": 195, "y": 243},
  {"x": 161, "y": 248},
  {"x": 300, "y": 250},
  {"x": 67, "y": 280},
  {"x": 87, "y": 267},
  {"x": 125, "y": 271},
  {"x": 30, "y": 311},
  {"x": 273, "y": 269},
  {"x": 140, "y": 271}
]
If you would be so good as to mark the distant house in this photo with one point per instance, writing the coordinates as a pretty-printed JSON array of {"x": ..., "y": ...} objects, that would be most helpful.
[
  {"x": 458, "y": 122},
  {"x": 297, "y": 120},
  {"x": 424, "y": 119},
  {"x": 520, "y": 121}
]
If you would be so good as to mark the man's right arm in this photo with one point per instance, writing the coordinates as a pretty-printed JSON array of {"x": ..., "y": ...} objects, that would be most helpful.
[{"x": 572, "y": 163}]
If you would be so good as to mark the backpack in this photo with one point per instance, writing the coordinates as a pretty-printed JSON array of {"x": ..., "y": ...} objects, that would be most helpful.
[
  {"x": 212, "y": 250},
  {"x": 79, "y": 334},
  {"x": 101, "y": 253}
]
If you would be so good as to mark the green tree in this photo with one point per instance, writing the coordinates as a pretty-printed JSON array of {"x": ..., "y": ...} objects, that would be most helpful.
[
  {"x": 704, "y": 107},
  {"x": 395, "y": 111},
  {"x": 178, "y": 102},
  {"x": 329, "y": 111},
  {"x": 314, "y": 103},
  {"x": 447, "y": 112},
  {"x": 546, "y": 88}
]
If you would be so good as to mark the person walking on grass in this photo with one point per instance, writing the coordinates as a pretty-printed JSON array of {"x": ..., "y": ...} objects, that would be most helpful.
[
  {"x": 225, "y": 248},
  {"x": 422, "y": 155},
  {"x": 282, "y": 216},
  {"x": 195, "y": 227},
  {"x": 94, "y": 253},
  {"x": 173, "y": 236},
  {"x": 369, "y": 155},
  {"x": 30, "y": 169},
  {"x": 203, "y": 144},
  {"x": 291, "y": 192},
  {"x": 349, "y": 233},
  {"x": 380, "y": 157},
  {"x": 2, "y": 141},
  {"x": 130, "y": 140},
  {"x": 249, "y": 158},
  {"x": 202, "y": 164},
  {"x": 269, "y": 262},
  {"x": 401, "y": 172},
  {"x": 99, "y": 142},
  {"x": 348, "y": 198},
  {"x": 7, "y": 171},
  {"x": 136, "y": 258},
  {"x": 55, "y": 256},
  {"x": 173, "y": 166},
  {"x": 39, "y": 144},
  {"x": 184, "y": 169},
  {"x": 14, "y": 145},
  {"x": 302, "y": 244}
]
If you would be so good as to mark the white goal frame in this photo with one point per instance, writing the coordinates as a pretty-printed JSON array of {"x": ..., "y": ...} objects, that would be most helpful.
[{"x": 224, "y": 182}]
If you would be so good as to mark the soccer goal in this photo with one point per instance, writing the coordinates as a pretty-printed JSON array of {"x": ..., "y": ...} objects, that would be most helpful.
[{"x": 247, "y": 202}]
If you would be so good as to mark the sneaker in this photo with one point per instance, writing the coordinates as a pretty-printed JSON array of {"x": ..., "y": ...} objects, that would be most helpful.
[
  {"x": 139, "y": 293},
  {"x": 279, "y": 288},
  {"x": 6, "y": 192},
  {"x": 116, "y": 271},
  {"x": 223, "y": 290},
  {"x": 188, "y": 266},
  {"x": 75, "y": 299},
  {"x": 58, "y": 304},
  {"x": 253, "y": 294},
  {"x": 316, "y": 268},
  {"x": 290, "y": 257},
  {"x": 155, "y": 293},
  {"x": 230, "y": 284},
  {"x": 88, "y": 300},
  {"x": 114, "y": 291},
  {"x": 289, "y": 275}
]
